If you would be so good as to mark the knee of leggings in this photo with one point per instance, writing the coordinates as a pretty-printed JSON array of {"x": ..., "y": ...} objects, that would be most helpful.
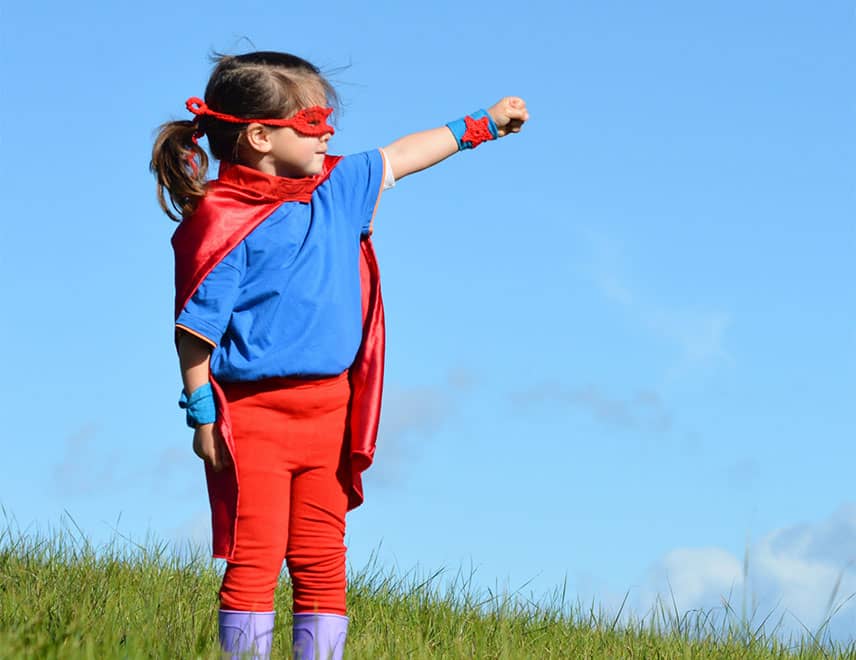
[
  {"x": 317, "y": 561},
  {"x": 319, "y": 586},
  {"x": 247, "y": 592}
]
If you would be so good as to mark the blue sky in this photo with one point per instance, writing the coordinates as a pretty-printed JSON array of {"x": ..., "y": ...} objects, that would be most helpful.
[{"x": 621, "y": 344}]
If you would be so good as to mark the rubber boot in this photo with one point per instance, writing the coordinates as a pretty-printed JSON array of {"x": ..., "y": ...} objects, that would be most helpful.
[
  {"x": 319, "y": 636},
  {"x": 245, "y": 635}
]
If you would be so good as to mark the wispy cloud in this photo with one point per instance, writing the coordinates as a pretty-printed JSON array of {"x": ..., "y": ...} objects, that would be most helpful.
[
  {"x": 408, "y": 414},
  {"x": 644, "y": 410},
  {"x": 698, "y": 333},
  {"x": 87, "y": 469},
  {"x": 743, "y": 473},
  {"x": 461, "y": 379},
  {"x": 178, "y": 469},
  {"x": 413, "y": 410},
  {"x": 195, "y": 531},
  {"x": 173, "y": 459},
  {"x": 411, "y": 414},
  {"x": 83, "y": 469}
]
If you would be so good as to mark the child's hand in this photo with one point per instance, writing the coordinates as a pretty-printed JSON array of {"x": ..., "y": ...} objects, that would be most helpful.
[
  {"x": 509, "y": 114},
  {"x": 210, "y": 446}
]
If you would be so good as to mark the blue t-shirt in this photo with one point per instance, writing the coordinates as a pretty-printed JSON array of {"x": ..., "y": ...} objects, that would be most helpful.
[{"x": 286, "y": 300}]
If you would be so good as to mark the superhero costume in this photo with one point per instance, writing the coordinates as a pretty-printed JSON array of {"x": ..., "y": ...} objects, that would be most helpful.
[{"x": 235, "y": 204}]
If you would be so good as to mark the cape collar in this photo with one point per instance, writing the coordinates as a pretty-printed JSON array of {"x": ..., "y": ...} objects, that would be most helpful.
[{"x": 261, "y": 187}]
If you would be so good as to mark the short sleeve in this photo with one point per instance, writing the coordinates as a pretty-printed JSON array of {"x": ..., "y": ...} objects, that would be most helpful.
[
  {"x": 209, "y": 309},
  {"x": 357, "y": 182}
]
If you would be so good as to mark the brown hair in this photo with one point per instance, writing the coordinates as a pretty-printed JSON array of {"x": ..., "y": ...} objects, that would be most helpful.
[{"x": 260, "y": 85}]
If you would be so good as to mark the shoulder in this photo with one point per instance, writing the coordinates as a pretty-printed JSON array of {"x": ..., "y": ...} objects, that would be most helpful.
[
  {"x": 357, "y": 165},
  {"x": 218, "y": 225}
]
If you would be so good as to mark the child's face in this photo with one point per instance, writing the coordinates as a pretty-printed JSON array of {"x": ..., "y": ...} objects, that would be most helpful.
[{"x": 296, "y": 154}]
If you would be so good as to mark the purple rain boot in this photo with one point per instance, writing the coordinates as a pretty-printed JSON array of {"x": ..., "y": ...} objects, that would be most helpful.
[
  {"x": 245, "y": 633},
  {"x": 319, "y": 636}
]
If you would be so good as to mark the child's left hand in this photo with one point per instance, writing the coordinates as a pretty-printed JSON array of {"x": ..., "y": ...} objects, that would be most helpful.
[{"x": 509, "y": 115}]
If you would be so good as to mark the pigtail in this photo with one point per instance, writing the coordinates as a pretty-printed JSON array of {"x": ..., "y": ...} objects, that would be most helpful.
[{"x": 180, "y": 165}]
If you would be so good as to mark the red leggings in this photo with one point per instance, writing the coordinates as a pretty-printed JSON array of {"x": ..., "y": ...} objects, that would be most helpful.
[{"x": 290, "y": 458}]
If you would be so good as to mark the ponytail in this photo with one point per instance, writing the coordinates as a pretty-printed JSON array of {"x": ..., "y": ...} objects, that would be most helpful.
[
  {"x": 174, "y": 162},
  {"x": 262, "y": 85}
]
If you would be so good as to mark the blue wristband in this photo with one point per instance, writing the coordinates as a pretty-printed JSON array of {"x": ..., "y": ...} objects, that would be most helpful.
[
  {"x": 200, "y": 406},
  {"x": 459, "y": 130}
]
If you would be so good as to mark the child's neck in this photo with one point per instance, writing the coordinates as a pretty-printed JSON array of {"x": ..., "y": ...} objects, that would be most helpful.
[{"x": 265, "y": 164}]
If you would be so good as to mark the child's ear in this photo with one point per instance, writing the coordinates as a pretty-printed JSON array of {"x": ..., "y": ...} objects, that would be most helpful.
[{"x": 258, "y": 138}]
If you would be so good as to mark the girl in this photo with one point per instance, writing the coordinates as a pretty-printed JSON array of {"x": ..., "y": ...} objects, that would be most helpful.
[{"x": 279, "y": 327}]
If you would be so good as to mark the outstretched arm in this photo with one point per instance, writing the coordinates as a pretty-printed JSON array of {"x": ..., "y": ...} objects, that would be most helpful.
[{"x": 419, "y": 151}]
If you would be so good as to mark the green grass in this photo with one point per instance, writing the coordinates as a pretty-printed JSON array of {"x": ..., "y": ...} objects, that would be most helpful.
[{"x": 60, "y": 597}]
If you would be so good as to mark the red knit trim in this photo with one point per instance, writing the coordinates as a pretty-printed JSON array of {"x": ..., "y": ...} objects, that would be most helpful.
[
  {"x": 478, "y": 131},
  {"x": 269, "y": 186},
  {"x": 310, "y": 121}
]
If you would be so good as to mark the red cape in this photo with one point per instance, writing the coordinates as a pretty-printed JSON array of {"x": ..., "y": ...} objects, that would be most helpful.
[{"x": 235, "y": 204}]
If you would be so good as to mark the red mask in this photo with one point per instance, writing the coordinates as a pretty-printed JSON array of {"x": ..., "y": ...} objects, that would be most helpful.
[{"x": 307, "y": 121}]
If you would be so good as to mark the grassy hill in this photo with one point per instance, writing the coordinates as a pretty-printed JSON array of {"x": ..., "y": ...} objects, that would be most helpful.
[{"x": 62, "y": 598}]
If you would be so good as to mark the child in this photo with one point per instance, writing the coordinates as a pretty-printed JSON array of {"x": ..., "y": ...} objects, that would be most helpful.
[{"x": 279, "y": 327}]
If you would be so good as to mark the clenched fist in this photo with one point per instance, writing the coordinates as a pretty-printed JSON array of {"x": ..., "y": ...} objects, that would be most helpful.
[
  {"x": 509, "y": 115},
  {"x": 209, "y": 445}
]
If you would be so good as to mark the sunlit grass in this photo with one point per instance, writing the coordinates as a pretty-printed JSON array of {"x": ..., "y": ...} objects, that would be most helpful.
[{"x": 60, "y": 597}]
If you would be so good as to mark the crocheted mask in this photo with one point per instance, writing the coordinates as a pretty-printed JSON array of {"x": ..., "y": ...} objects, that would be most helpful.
[{"x": 310, "y": 121}]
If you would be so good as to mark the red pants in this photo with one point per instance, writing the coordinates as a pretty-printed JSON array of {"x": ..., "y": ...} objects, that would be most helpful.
[{"x": 292, "y": 473}]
